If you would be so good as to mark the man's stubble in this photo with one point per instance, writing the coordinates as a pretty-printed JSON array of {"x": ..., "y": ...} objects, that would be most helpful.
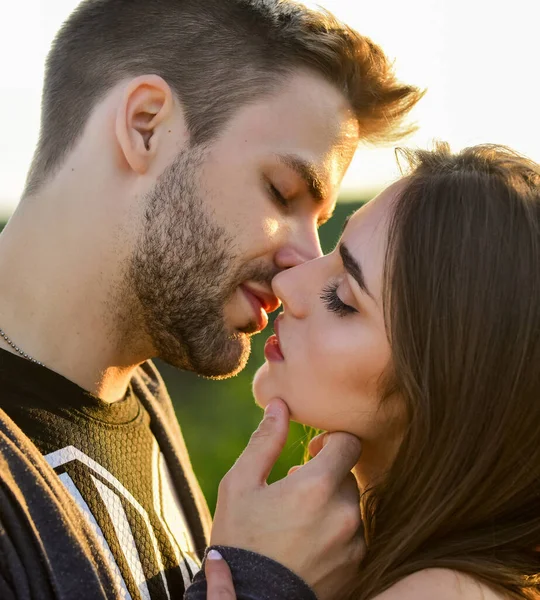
[{"x": 184, "y": 269}]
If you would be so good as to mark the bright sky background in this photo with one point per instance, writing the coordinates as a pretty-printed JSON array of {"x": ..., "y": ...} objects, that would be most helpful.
[{"x": 479, "y": 59}]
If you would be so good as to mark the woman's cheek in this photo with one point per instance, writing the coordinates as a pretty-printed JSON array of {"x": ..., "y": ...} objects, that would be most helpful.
[
  {"x": 330, "y": 380},
  {"x": 307, "y": 405},
  {"x": 320, "y": 394},
  {"x": 341, "y": 389}
]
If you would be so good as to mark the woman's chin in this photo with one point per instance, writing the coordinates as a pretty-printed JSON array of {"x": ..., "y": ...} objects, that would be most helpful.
[
  {"x": 261, "y": 386},
  {"x": 265, "y": 388}
]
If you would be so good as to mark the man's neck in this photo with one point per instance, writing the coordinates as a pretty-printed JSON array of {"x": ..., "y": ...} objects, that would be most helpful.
[{"x": 61, "y": 297}]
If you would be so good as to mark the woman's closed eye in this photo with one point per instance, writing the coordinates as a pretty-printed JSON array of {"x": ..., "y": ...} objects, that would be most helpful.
[{"x": 334, "y": 303}]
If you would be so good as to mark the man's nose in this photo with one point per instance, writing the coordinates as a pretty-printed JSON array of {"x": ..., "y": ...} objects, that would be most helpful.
[
  {"x": 291, "y": 287},
  {"x": 300, "y": 248}
]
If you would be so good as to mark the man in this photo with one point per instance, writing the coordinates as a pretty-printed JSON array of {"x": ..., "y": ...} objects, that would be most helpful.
[{"x": 188, "y": 152}]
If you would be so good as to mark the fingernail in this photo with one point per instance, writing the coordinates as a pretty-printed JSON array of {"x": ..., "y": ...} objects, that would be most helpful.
[
  {"x": 272, "y": 410},
  {"x": 214, "y": 555},
  {"x": 325, "y": 439}
]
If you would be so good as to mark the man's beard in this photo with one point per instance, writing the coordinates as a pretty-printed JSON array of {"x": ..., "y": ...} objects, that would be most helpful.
[{"x": 183, "y": 272}]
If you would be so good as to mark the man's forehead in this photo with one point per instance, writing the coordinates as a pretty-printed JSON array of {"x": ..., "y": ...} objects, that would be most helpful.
[
  {"x": 308, "y": 125},
  {"x": 347, "y": 139},
  {"x": 305, "y": 113},
  {"x": 341, "y": 153}
]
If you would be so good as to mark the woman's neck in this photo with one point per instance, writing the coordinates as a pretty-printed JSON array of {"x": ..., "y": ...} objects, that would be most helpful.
[{"x": 375, "y": 461}]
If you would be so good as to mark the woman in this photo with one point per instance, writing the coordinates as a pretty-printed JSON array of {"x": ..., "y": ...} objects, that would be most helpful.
[{"x": 420, "y": 334}]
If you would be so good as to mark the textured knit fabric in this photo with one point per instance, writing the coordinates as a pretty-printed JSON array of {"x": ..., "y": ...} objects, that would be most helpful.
[
  {"x": 121, "y": 515},
  {"x": 255, "y": 578}
]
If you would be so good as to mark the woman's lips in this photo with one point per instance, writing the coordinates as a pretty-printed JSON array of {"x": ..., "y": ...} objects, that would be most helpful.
[{"x": 272, "y": 351}]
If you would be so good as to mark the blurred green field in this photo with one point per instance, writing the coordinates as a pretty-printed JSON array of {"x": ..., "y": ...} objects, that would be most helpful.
[{"x": 217, "y": 417}]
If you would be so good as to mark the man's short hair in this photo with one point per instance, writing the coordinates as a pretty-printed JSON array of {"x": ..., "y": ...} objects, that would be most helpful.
[{"x": 216, "y": 55}]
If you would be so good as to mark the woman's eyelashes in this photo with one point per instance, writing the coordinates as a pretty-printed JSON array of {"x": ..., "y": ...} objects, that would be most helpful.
[{"x": 334, "y": 303}]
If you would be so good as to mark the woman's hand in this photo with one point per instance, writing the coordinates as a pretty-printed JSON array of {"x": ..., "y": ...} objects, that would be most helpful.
[{"x": 218, "y": 578}]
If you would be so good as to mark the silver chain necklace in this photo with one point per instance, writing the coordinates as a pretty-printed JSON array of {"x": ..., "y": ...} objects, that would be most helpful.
[{"x": 19, "y": 351}]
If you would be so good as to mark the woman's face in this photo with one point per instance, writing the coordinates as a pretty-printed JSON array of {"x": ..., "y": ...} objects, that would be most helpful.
[{"x": 331, "y": 348}]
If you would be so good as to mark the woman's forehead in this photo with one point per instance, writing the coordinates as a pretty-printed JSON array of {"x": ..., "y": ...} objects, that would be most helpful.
[{"x": 375, "y": 215}]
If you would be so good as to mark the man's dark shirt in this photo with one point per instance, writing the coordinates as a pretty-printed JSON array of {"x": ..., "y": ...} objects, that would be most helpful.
[
  {"x": 124, "y": 465},
  {"x": 100, "y": 502}
]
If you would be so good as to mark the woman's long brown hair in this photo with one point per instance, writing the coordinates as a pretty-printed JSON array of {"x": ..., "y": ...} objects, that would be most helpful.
[{"x": 462, "y": 304}]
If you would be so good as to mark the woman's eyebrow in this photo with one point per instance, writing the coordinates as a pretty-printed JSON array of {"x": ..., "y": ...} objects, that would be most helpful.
[{"x": 352, "y": 266}]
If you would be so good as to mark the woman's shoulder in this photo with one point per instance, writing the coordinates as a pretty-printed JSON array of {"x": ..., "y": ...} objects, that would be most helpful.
[{"x": 443, "y": 584}]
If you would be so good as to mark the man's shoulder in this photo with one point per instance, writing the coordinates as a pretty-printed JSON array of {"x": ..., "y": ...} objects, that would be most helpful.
[{"x": 443, "y": 584}]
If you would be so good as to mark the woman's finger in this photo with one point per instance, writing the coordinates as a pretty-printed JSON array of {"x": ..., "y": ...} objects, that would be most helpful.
[
  {"x": 293, "y": 469},
  {"x": 218, "y": 578}
]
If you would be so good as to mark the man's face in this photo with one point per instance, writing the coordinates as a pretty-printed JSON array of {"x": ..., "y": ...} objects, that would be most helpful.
[{"x": 224, "y": 219}]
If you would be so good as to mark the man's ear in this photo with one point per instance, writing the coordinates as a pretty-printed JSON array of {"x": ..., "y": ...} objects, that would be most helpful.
[{"x": 146, "y": 103}]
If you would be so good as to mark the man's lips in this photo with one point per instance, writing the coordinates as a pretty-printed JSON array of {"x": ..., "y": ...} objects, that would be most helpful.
[
  {"x": 262, "y": 303},
  {"x": 267, "y": 300}
]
